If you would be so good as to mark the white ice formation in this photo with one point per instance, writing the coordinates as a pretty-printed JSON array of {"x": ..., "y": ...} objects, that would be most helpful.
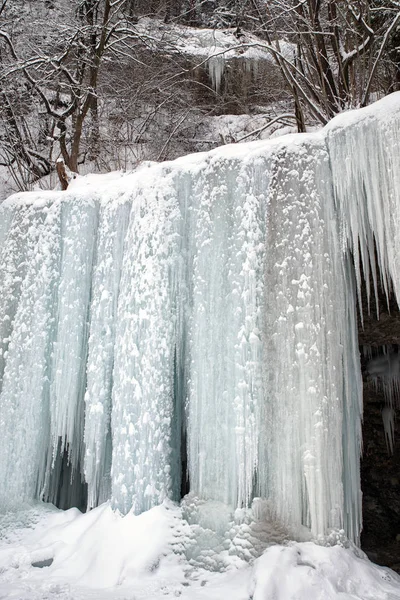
[{"x": 201, "y": 309}]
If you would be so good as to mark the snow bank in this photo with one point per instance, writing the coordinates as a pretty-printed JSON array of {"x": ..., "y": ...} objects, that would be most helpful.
[
  {"x": 102, "y": 555},
  {"x": 307, "y": 572}
]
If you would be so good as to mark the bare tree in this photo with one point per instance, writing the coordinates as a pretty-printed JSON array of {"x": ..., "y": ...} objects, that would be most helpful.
[
  {"x": 19, "y": 150},
  {"x": 70, "y": 75},
  {"x": 88, "y": 80},
  {"x": 63, "y": 76},
  {"x": 339, "y": 48}
]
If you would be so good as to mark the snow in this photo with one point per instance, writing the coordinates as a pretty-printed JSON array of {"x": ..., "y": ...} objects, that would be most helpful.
[
  {"x": 206, "y": 304},
  {"x": 211, "y": 47},
  {"x": 204, "y": 43},
  {"x": 103, "y": 555},
  {"x": 304, "y": 571}
]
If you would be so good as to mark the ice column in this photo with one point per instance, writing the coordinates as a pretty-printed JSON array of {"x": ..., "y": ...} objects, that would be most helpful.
[
  {"x": 224, "y": 332},
  {"x": 143, "y": 392},
  {"x": 301, "y": 455},
  {"x": 113, "y": 223},
  {"x": 68, "y": 381},
  {"x": 30, "y": 268}
]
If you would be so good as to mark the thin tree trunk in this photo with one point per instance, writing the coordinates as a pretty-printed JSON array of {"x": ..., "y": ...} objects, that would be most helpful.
[{"x": 62, "y": 174}]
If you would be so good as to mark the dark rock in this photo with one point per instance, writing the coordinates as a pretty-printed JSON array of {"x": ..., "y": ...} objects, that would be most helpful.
[
  {"x": 380, "y": 471},
  {"x": 43, "y": 563}
]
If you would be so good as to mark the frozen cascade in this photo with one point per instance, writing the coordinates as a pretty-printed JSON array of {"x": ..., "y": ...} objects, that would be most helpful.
[
  {"x": 216, "y": 67},
  {"x": 143, "y": 394},
  {"x": 30, "y": 269},
  {"x": 203, "y": 311},
  {"x": 113, "y": 223},
  {"x": 367, "y": 196}
]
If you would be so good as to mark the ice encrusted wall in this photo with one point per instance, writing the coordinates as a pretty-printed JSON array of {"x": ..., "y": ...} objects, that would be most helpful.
[{"x": 208, "y": 302}]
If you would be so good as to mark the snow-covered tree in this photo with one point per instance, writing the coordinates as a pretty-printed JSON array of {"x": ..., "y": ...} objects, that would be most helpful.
[{"x": 340, "y": 50}]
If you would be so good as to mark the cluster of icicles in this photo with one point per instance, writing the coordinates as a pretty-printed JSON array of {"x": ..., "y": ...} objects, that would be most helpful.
[
  {"x": 194, "y": 325},
  {"x": 384, "y": 370}
]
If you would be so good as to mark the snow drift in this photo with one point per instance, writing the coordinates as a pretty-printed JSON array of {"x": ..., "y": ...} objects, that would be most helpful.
[
  {"x": 101, "y": 554},
  {"x": 194, "y": 323}
]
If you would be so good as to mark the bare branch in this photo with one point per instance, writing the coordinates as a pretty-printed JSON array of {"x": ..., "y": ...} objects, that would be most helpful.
[
  {"x": 378, "y": 58},
  {"x": 264, "y": 127}
]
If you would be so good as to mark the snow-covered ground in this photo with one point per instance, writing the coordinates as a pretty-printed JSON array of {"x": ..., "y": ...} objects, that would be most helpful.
[{"x": 66, "y": 555}]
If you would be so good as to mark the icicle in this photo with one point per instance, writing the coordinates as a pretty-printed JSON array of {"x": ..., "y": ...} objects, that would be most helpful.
[
  {"x": 216, "y": 68},
  {"x": 67, "y": 387},
  {"x": 388, "y": 416},
  {"x": 384, "y": 370},
  {"x": 385, "y": 373},
  {"x": 24, "y": 426},
  {"x": 113, "y": 223},
  {"x": 367, "y": 352}
]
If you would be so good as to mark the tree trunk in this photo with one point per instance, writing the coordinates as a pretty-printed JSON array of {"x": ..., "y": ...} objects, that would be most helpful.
[{"x": 62, "y": 174}]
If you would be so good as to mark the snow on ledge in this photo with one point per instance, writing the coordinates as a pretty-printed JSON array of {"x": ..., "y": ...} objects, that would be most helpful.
[{"x": 110, "y": 185}]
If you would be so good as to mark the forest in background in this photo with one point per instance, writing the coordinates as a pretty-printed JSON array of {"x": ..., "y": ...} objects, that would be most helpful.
[{"x": 105, "y": 84}]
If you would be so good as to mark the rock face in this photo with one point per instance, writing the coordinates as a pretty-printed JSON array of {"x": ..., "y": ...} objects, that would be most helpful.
[
  {"x": 380, "y": 483},
  {"x": 380, "y": 470}
]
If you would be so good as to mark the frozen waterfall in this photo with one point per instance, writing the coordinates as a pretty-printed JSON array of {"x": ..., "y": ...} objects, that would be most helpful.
[{"x": 194, "y": 324}]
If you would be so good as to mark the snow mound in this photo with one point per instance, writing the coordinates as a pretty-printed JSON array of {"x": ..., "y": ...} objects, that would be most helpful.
[
  {"x": 103, "y": 555},
  {"x": 307, "y": 571}
]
